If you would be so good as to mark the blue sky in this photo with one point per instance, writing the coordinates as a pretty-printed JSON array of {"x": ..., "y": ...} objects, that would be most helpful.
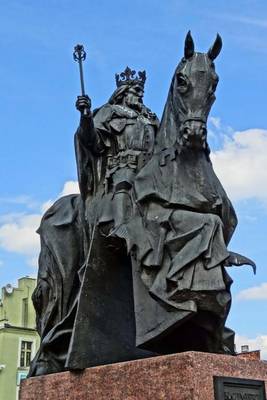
[{"x": 39, "y": 83}]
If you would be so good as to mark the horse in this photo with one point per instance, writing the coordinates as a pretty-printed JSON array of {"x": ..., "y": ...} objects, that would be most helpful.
[{"x": 188, "y": 221}]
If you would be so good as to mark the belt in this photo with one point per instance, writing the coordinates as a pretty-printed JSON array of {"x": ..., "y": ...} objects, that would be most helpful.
[{"x": 134, "y": 159}]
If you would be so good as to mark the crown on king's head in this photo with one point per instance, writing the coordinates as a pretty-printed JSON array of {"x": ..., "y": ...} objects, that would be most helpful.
[{"x": 129, "y": 76}]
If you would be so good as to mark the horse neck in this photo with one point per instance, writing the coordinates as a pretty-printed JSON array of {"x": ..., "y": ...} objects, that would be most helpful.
[
  {"x": 169, "y": 130},
  {"x": 169, "y": 125}
]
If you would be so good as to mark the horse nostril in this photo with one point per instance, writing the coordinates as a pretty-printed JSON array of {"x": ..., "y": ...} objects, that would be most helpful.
[
  {"x": 203, "y": 132},
  {"x": 186, "y": 132}
]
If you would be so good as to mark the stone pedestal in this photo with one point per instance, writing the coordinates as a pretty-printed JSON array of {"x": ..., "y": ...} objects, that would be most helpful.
[{"x": 184, "y": 376}]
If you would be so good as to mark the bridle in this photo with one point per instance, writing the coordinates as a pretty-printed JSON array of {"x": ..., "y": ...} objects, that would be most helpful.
[{"x": 197, "y": 119}]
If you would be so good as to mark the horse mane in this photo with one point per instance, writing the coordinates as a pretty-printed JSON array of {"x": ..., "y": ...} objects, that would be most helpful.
[{"x": 170, "y": 123}]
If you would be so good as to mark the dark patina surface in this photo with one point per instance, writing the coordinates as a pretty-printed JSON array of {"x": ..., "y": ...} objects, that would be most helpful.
[{"x": 135, "y": 265}]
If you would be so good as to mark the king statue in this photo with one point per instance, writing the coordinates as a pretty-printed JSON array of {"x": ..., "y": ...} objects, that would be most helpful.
[
  {"x": 120, "y": 137},
  {"x": 112, "y": 144}
]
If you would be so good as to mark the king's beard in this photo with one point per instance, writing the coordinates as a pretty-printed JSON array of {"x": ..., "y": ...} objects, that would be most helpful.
[{"x": 134, "y": 104}]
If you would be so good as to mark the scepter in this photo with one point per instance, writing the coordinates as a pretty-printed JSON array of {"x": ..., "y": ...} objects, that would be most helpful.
[{"x": 79, "y": 55}]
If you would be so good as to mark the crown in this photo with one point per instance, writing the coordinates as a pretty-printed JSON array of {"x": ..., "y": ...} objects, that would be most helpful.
[{"x": 129, "y": 76}]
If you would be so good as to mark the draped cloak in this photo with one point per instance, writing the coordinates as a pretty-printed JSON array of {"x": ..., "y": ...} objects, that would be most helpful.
[
  {"x": 66, "y": 233},
  {"x": 179, "y": 242}
]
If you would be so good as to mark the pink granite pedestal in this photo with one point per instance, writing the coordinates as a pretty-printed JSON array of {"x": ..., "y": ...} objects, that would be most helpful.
[{"x": 183, "y": 376}]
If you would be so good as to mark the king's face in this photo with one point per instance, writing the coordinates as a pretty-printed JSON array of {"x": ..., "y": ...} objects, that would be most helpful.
[{"x": 134, "y": 96}]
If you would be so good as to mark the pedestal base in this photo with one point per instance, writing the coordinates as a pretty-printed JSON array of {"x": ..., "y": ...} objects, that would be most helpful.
[{"x": 183, "y": 376}]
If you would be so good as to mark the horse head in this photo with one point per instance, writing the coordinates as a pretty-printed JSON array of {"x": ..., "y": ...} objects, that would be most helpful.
[{"x": 190, "y": 98}]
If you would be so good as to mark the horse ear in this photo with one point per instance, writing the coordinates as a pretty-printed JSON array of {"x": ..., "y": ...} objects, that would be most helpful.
[
  {"x": 215, "y": 49},
  {"x": 188, "y": 46}
]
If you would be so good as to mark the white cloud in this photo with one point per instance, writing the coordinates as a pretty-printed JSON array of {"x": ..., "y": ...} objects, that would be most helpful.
[
  {"x": 19, "y": 235},
  {"x": 257, "y": 343},
  {"x": 18, "y": 230},
  {"x": 254, "y": 293},
  {"x": 19, "y": 200},
  {"x": 70, "y": 187},
  {"x": 47, "y": 204},
  {"x": 261, "y": 23},
  {"x": 241, "y": 164},
  {"x": 33, "y": 262},
  {"x": 216, "y": 122}
]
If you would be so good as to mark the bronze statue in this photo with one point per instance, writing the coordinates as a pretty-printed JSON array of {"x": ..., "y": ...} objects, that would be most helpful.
[{"x": 135, "y": 265}]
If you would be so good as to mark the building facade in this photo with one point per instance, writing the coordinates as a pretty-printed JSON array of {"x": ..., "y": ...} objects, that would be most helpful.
[{"x": 19, "y": 340}]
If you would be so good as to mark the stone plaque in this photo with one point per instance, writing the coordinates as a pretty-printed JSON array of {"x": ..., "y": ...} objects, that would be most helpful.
[{"x": 238, "y": 389}]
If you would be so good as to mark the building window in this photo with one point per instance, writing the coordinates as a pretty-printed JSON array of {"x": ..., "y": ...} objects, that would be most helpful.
[{"x": 25, "y": 354}]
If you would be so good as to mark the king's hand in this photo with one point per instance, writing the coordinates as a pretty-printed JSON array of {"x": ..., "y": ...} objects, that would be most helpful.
[{"x": 83, "y": 104}]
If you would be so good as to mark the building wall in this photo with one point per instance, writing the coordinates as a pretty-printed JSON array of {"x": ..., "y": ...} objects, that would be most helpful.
[
  {"x": 12, "y": 333},
  {"x": 12, "y": 303}
]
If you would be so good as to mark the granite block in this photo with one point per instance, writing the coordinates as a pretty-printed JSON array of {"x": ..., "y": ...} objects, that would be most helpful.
[{"x": 183, "y": 376}]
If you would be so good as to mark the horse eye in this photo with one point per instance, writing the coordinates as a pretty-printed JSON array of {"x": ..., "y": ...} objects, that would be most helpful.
[{"x": 182, "y": 82}]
